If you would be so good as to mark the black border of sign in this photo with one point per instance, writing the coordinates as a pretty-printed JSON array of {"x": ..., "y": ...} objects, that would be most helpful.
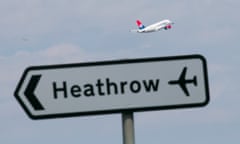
[{"x": 114, "y": 62}]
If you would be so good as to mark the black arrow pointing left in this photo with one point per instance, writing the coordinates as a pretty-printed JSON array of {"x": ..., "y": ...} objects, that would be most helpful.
[{"x": 29, "y": 93}]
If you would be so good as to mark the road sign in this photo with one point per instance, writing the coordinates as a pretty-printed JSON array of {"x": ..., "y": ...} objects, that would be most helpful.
[{"x": 113, "y": 86}]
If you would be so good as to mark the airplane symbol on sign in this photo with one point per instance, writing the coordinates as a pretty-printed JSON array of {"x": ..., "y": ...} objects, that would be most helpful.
[{"x": 182, "y": 81}]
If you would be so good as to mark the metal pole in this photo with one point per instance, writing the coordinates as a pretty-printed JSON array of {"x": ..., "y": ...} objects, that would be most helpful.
[{"x": 128, "y": 128}]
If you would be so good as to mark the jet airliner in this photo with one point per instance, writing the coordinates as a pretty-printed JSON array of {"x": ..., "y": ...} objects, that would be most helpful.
[{"x": 164, "y": 24}]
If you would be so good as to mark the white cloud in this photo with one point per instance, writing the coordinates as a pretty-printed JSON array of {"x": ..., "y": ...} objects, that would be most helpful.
[{"x": 13, "y": 66}]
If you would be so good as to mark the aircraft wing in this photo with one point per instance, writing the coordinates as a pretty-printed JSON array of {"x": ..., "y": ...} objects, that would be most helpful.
[
  {"x": 182, "y": 83},
  {"x": 160, "y": 27},
  {"x": 184, "y": 88},
  {"x": 133, "y": 30}
]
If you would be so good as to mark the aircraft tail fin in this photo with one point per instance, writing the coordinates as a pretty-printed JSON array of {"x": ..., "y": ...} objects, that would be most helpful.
[
  {"x": 195, "y": 80},
  {"x": 139, "y": 24}
]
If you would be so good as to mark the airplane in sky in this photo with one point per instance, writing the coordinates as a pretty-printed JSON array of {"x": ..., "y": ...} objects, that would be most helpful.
[
  {"x": 182, "y": 81},
  {"x": 164, "y": 24}
]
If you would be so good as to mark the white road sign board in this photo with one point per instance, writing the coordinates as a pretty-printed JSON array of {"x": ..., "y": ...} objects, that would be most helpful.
[{"x": 113, "y": 86}]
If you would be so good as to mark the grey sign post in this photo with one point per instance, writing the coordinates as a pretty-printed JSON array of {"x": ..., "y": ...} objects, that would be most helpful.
[{"x": 118, "y": 86}]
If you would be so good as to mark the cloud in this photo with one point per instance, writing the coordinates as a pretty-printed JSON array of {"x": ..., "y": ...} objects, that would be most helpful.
[{"x": 13, "y": 66}]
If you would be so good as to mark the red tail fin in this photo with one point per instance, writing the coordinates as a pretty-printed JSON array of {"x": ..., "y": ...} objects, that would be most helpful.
[{"x": 139, "y": 24}]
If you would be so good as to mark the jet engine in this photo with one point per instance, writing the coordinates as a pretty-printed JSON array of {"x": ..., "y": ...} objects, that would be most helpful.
[{"x": 167, "y": 27}]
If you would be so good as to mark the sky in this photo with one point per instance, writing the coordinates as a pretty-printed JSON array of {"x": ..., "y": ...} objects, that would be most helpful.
[{"x": 45, "y": 32}]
